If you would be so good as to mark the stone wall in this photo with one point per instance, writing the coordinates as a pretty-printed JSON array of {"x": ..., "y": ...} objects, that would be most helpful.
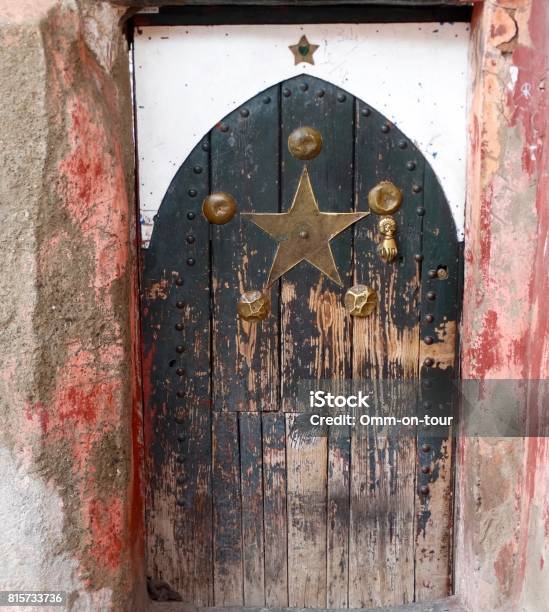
[
  {"x": 502, "y": 507},
  {"x": 69, "y": 498}
]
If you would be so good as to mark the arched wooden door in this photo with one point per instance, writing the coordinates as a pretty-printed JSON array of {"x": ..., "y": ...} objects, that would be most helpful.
[{"x": 238, "y": 511}]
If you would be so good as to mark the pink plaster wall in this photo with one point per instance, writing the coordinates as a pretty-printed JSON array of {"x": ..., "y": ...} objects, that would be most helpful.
[{"x": 503, "y": 498}]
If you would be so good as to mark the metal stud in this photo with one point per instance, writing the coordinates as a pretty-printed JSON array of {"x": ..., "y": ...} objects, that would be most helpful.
[
  {"x": 431, "y": 295},
  {"x": 424, "y": 490},
  {"x": 411, "y": 165},
  {"x": 427, "y": 405},
  {"x": 181, "y": 502},
  {"x": 427, "y": 384},
  {"x": 191, "y": 261},
  {"x": 442, "y": 273},
  {"x": 304, "y": 87},
  {"x": 428, "y": 362},
  {"x": 432, "y": 273},
  {"x": 179, "y": 348},
  {"x": 402, "y": 144},
  {"x": 305, "y": 142},
  {"x": 192, "y": 193},
  {"x": 205, "y": 146},
  {"x": 197, "y": 169},
  {"x": 179, "y": 326},
  {"x": 286, "y": 92},
  {"x": 429, "y": 318},
  {"x": 190, "y": 215},
  {"x": 219, "y": 207},
  {"x": 180, "y": 372},
  {"x": 179, "y": 281},
  {"x": 428, "y": 340},
  {"x": 341, "y": 97},
  {"x": 180, "y": 304},
  {"x": 420, "y": 211},
  {"x": 244, "y": 112},
  {"x": 180, "y": 393},
  {"x": 191, "y": 239},
  {"x": 366, "y": 112},
  {"x": 385, "y": 128},
  {"x": 224, "y": 127},
  {"x": 179, "y": 459},
  {"x": 181, "y": 437},
  {"x": 416, "y": 188},
  {"x": 267, "y": 100},
  {"x": 426, "y": 448},
  {"x": 426, "y": 469},
  {"x": 418, "y": 257},
  {"x": 320, "y": 93}
]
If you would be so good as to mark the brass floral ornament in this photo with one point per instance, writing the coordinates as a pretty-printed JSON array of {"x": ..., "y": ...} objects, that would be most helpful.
[
  {"x": 360, "y": 301},
  {"x": 388, "y": 248},
  {"x": 385, "y": 198},
  {"x": 253, "y": 306}
]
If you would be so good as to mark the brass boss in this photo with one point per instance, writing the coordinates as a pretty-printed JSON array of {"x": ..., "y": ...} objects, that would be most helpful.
[
  {"x": 305, "y": 143},
  {"x": 219, "y": 207},
  {"x": 385, "y": 198}
]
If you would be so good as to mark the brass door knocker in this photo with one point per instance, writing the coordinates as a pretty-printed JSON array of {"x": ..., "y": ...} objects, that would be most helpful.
[{"x": 388, "y": 248}]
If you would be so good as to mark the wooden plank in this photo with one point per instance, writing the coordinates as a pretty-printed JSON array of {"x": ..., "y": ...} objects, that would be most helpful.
[
  {"x": 314, "y": 327},
  {"x": 274, "y": 509},
  {"x": 251, "y": 477},
  {"x": 244, "y": 159},
  {"x": 439, "y": 280},
  {"x": 176, "y": 382},
  {"x": 307, "y": 480},
  {"x": 339, "y": 450},
  {"x": 227, "y": 541},
  {"x": 254, "y": 14},
  {"x": 385, "y": 347}
]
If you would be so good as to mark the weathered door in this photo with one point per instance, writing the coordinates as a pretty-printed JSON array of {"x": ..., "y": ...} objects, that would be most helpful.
[{"x": 239, "y": 510}]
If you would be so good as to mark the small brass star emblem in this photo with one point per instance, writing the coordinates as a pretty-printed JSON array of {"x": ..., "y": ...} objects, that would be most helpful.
[
  {"x": 303, "y": 51},
  {"x": 304, "y": 233}
]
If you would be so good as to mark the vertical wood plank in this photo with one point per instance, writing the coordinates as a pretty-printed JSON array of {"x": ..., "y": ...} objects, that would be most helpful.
[
  {"x": 245, "y": 161},
  {"x": 440, "y": 299},
  {"x": 307, "y": 481},
  {"x": 339, "y": 451},
  {"x": 176, "y": 383},
  {"x": 227, "y": 511},
  {"x": 315, "y": 330},
  {"x": 385, "y": 346},
  {"x": 251, "y": 476},
  {"x": 274, "y": 509}
]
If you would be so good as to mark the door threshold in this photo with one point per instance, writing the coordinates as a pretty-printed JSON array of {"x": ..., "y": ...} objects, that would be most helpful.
[{"x": 449, "y": 604}]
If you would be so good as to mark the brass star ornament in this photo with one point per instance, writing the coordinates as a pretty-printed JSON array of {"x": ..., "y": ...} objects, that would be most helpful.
[
  {"x": 304, "y": 232},
  {"x": 303, "y": 51}
]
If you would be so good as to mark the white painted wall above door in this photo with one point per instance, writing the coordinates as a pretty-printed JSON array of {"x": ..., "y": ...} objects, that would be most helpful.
[{"x": 187, "y": 78}]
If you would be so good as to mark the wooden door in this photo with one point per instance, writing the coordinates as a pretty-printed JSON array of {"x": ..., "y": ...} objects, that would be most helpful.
[{"x": 240, "y": 511}]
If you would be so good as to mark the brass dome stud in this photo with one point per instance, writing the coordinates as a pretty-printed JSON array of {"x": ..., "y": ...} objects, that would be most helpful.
[
  {"x": 305, "y": 143},
  {"x": 360, "y": 300},
  {"x": 219, "y": 208}
]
